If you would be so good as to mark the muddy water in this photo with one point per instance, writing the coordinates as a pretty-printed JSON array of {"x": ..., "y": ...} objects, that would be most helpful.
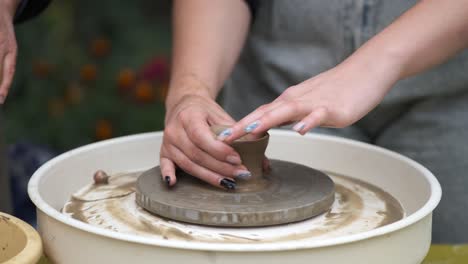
[{"x": 358, "y": 207}]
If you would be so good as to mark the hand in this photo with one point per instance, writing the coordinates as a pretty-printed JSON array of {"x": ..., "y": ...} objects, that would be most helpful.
[
  {"x": 336, "y": 98},
  {"x": 189, "y": 143},
  {"x": 8, "y": 47}
]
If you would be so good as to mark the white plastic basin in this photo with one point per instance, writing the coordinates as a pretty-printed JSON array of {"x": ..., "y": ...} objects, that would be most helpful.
[{"x": 67, "y": 240}]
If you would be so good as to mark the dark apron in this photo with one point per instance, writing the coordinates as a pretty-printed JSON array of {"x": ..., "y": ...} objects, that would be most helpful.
[
  {"x": 292, "y": 41},
  {"x": 423, "y": 117}
]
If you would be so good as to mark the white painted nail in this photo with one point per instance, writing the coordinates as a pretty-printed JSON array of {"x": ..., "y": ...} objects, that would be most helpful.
[
  {"x": 243, "y": 174},
  {"x": 224, "y": 134},
  {"x": 299, "y": 126},
  {"x": 235, "y": 160},
  {"x": 252, "y": 126}
]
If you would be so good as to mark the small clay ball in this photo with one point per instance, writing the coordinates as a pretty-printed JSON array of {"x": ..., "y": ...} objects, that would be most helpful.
[{"x": 101, "y": 177}]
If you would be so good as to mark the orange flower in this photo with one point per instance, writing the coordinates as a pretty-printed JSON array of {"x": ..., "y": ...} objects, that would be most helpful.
[
  {"x": 144, "y": 92},
  {"x": 162, "y": 92},
  {"x": 103, "y": 129},
  {"x": 88, "y": 72},
  {"x": 126, "y": 79},
  {"x": 56, "y": 107},
  {"x": 74, "y": 93},
  {"x": 100, "y": 47},
  {"x": 42, "y": 69}
]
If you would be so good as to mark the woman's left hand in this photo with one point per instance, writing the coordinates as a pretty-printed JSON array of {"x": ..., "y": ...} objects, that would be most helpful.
[{"x": 335, "y": 98}]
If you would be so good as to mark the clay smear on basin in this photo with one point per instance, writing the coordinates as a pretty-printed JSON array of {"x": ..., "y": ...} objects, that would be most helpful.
[{"x": 358, "y": 207}]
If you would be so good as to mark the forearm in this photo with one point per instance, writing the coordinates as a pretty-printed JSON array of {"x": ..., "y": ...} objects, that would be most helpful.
[
  {"x": 207, "y": 39},
  {"x": 10, "y": 7},
  {"x": 426, "y": 35}
]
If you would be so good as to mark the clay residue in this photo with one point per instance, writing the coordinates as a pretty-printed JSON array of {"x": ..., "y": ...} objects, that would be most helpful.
[
  {"x": 358, "y": 207},
  {"x": 4, "y": 218}
]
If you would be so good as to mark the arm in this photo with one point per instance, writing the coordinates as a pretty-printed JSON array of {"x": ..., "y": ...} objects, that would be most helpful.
[
  {"x": 208, "y": 37},
  {"x": 7, "y": 46},
  {"x": 426, "y": 35},
  {"x": 13, "y": 11}
]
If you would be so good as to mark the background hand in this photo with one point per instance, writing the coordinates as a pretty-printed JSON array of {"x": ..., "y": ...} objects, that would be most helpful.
[{"x": 8, "y": 47}]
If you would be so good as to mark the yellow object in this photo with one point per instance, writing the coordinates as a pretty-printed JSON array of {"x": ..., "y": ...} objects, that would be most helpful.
[
  {"x": 447, "y": 254},
  {"x": 19, "y": 242}
]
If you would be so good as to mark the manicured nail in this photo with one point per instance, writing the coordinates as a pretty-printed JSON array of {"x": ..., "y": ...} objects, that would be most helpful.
[
  {"x": 2, "y": 99},
  {"x": 234, "y": 160},
  {"x": 168, "y": 181},
  {"x": 224, "y": 134},
  {"x": 252, "y": 126},
  {"x": 228, "y": 184},
  {"x": 299, "y": 126},
  {"x": 243, "y": 174}
]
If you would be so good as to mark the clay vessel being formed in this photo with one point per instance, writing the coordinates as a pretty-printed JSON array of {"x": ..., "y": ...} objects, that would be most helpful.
[{"x": 251, "y": 151}]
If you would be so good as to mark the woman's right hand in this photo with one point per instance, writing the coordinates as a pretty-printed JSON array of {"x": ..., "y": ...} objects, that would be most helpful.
[{"x": 190, "y": 144}]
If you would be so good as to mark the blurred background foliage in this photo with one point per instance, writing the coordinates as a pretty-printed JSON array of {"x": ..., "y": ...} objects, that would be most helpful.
[{"x": 90, "y": 70}]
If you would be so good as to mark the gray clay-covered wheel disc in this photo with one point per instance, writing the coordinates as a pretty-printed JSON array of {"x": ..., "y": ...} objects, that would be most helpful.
[{"x": 290, "y": 193}]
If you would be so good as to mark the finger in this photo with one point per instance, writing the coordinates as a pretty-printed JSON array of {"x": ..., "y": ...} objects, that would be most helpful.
[
  {"x": 286, "y": 112},
  {"x": 201, "y": 135},
  {"x": 239, "y": 129},
  {"x": 314, "y": 119},
  {"x": 221, "y": 118},
  {"x": 203, "y": 159},
  {"x": 197, "y": 171},
  {"x": 8, "y": 71},
  {"x": 167, "y": 171},
  {"x": 266, "y": 165}
]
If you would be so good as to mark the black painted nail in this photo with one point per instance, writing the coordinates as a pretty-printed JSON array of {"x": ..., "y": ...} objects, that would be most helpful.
[
  {"x": 168, "y": 181},
  {"x": 228, "y": 184}
]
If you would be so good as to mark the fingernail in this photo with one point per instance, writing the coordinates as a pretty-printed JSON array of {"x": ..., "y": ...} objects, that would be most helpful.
[
  {"x": 228, "y": 184},
  {"x": 2, "y": 99},
  {"x": 234, "y": 160},
  {"x": 252, "y": 126},
  {"x": 224, "y": 134},
  {"x": 168, "y": 181},
  {"x": 243, "y": 174},
  {"x": 299, "y": 126}
]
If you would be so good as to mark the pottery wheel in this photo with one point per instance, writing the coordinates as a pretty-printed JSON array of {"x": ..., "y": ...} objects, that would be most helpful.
[{"x": 288, "y": 193}]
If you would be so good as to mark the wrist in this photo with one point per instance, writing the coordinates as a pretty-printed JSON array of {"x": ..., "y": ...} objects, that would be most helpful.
[
  {"x": 9, "y": 7},
  {"x": 187, "y": 86},
  {"x": 384, "y": 65}
]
